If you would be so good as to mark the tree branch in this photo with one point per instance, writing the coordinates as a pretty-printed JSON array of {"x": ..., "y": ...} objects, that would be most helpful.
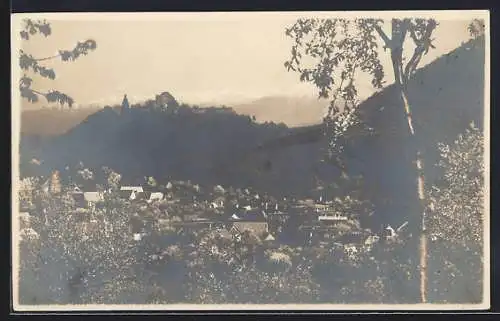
[
  {"x": 51, "y": 96},
  {"x": 414, "y": 36},
  {"x": 405, "y": 25},
  {"x": 385, "y": 38},
  {"x": 38, "y": 92},
  {"x": 47, "y": 58},
  {"x": 411, "y": 66},
  {"x": 422, "y": 46}
]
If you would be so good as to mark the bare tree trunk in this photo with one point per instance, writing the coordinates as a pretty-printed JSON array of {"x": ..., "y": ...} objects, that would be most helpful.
[
  {"x": 399, "y": 31},
  {"x": 421, "y": 198}
]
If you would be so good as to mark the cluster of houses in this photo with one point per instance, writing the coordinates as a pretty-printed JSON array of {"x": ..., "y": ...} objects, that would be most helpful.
[
  {"x": 304, "y": 221},
  {"x": 264, "y": 217}
]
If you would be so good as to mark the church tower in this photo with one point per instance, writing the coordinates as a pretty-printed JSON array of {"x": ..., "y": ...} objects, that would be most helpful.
[{"x": 125, "y": 104}]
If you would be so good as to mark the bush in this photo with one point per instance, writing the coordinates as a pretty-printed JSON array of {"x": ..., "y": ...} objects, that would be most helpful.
[{"x": 456, "y": 221}]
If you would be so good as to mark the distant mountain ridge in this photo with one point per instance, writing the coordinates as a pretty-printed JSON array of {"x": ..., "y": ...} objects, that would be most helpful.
[
  {"x": 290, "y": 110},
  {"x": 52, "y": 121}
]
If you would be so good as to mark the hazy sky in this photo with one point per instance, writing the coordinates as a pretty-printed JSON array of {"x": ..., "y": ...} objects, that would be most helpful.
[{"x": 221, "y": 59}]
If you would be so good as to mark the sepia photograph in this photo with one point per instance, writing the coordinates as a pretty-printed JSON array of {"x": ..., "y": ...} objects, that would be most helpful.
[{"x": 250, "y": 161}]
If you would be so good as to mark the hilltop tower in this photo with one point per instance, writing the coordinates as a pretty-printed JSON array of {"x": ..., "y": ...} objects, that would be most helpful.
[{"x": 125, "y": 104}]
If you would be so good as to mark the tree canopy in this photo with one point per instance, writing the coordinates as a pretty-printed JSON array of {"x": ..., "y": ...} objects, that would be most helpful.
[
  {"x": 33, "y": 65},
  {"x": 331, "y": 54}
]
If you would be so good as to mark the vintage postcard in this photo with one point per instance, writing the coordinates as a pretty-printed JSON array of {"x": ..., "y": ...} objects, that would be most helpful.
[{"x": 251, "y": 161}]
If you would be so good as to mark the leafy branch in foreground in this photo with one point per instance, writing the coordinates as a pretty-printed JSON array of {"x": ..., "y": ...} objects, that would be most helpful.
[
  {"x": 31, "y": 28},
  {"x": 29, "y": 63},
  {"x": 51, "y": 96}
]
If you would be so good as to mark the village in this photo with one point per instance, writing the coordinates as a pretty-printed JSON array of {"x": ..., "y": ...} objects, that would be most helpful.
[{"x": 228, "y": 212}]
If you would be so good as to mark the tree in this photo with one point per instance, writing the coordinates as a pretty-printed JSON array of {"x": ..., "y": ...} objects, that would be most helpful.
[
  {"x": 339, "y": 49},
  {"x": 476, "y": 28},
  {"x": 151, "y": 181},
  {"x": 456, "y": 227},
  {"x": 113, "y": 179},
  {"x": 82, "y": 255},
  {"x": 28, "y": 63}
]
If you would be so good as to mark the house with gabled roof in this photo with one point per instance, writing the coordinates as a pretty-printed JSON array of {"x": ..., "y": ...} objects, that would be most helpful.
[
  {"x": 268, "y": 237},
  {"x": 132, "y": 193},
  {"x": 153, "y": 196}
]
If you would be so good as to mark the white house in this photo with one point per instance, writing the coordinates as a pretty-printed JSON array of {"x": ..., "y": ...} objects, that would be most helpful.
[
  {"x": 92, "y": 198},
  {"x": 137, "y": 189},
  {"x": 332, "y": 218},
  {"x": 155, "y": 196}
]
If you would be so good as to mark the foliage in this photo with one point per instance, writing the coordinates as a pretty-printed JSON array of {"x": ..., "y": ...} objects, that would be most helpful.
[
  {"x": 458, "y": 198},
  {"x": 113, "y": 178},
  {"x": 151, "y": 181},
  {"x": 28, "y": 63},
  {"x": 330, "y": 53},
  {"x": 235, "y": 271},
  {"x": 457, "y": 216},
  {"x": 94, "y": 247},
  {"x": 476, "y": 28}
]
